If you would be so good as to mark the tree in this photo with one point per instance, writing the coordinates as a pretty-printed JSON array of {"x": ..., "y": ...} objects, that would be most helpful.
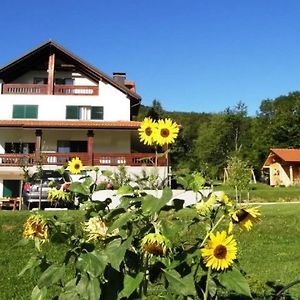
[{"x": 238, "y": 175}]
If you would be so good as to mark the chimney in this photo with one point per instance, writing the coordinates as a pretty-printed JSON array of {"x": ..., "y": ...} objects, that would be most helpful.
[{"x": 119, "y": 77}]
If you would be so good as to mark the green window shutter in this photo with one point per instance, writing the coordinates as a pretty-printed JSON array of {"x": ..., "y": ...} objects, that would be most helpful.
[
  {"x": 97, "y": 113},
  {"x": 31, "y": 111},
  {"x": 18, "y": 111},
  {"x": 25, "y": 111},
  {"x": 72, "y": 112}
]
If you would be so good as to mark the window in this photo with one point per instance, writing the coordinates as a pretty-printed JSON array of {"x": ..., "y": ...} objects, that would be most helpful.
[
  {"x": 97, "y": 113},
  {"x": 16, "y": 147},
  {"x": 84, "y": 112},
  {"x": 40, "y": 80},
  {"x": 71, "y": 146},
  {"x": 25, "y": 111}
]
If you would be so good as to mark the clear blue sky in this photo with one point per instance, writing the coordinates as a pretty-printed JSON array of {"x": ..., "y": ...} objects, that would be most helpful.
[{"x": 191, "y": 55}]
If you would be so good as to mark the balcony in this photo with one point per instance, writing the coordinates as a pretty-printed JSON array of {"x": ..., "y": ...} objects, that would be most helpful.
[
  {"x": 98, "y": 159},
  {"x": 42, "y": 89}
]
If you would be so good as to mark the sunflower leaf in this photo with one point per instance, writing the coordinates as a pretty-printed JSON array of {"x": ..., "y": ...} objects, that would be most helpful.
[
  {"x": 233, "y": 280},
  {"x": 151, "y": 204},
  {"x": 180, "y": 285}
]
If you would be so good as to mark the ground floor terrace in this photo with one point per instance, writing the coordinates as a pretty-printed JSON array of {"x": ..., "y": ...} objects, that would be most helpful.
[{"x": 27, "y": 144}]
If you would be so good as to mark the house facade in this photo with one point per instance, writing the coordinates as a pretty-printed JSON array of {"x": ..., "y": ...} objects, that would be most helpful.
[
  {"x": 55, "y": 106},
  {"x": 283, "y": 166}
]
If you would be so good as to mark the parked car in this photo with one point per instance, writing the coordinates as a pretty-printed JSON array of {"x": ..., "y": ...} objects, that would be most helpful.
[{"x": 39, "y": 185}]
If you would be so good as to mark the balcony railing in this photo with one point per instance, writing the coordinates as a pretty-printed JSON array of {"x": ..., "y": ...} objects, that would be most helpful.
[
  {"x": 42, "y": 89},
  {"x": 25, "y": 89},
  {"x": 75, "y": 90},
  {"x": 99, "y": 159}
]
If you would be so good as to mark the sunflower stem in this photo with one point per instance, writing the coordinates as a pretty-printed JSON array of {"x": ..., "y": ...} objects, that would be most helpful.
[
  {"x": 207, "y": 282},
  {"x": 211, "y": 230}
]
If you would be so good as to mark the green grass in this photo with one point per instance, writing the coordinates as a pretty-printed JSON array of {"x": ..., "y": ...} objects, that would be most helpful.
[
  {"x": 269, "y": 254},
  {"x": 264, "y": 193}
]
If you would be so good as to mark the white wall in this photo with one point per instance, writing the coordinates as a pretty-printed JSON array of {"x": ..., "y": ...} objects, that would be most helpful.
[{"x": 53, "y": 107}]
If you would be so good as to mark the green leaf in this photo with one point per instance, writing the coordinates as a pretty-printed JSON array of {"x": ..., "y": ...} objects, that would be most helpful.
[
  {"x": 93, "y": 289},
  {"x": 79, "y": 188},
  {"x": 114, "y": 213},
  {"x": 115, "y": 252},
  {"x": 52, "y": 275},
  {"x": 180, "y": 285},
  {"x": 131, "y": 284},
  {"x": 151, "y": 204},
  {"x": 39, "y": 294},
  {"x": 107, "y": 173},
  {"x": 33, "y": 262},
  {"x": 121, "y": 220},
  {"x": 23, "y": 242},
  {"x": 92, "y": 263},
  {"x": 233, "y": 280},
  {"x": 70, "y": 292},
  {"x": 125, "y": 190}
]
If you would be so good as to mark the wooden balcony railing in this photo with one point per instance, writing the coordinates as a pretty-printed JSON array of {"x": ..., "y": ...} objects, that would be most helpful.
[
  {"x": 99, "y": 159},
  {"x": 75, "y": 90},
  {"x": 42, "y": 89},
  {"x": 25, "y": 89}
]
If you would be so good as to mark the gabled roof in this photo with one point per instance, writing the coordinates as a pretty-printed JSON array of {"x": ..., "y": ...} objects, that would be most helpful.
[
  {"x": 36, "y": 56},
  {"x": 286, "y": 155},
  {"x": 289, "y": 155},
  {"x": 78, "y": 124}
]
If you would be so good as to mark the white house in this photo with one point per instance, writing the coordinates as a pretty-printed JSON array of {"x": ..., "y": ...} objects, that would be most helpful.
[{"x": 55, "y": 106}]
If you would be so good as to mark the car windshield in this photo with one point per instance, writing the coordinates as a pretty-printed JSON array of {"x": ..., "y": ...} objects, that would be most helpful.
[{"x": 50, "y": 175}]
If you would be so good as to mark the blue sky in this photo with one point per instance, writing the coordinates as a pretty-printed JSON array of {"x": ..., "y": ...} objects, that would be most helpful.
[{"x": 191, "y": 55}]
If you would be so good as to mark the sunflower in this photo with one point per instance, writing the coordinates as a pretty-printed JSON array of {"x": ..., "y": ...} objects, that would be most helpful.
[
  {"x": 220, "y": 251},
  {"x": 245, "y": 217},
  {"x": 36, "y": 227},
  {"x": 156, "y": 244},
  {"x": 97, "y": 229},
  {"x": 167, "y": 132},
  {"x": 75, "y": 165},
  {"x": 146, "y": 131}
]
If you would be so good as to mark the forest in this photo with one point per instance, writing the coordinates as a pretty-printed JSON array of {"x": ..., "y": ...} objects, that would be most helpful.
[{"x": 208, "y": 140}]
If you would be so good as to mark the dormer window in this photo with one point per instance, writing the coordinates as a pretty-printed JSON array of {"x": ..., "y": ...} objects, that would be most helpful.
[{"x": 84, "y": 112}]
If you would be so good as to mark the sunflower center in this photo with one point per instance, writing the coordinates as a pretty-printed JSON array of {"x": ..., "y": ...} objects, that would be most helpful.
[
  {"x": 148, "y": 131},
  {"x": 154, "y": 248},
  {"x": 164, "y": 132},
  {"x": 77, "y": 166},
  {"x": 242, "y": 215},
  {"x": 220, "y": 252}
]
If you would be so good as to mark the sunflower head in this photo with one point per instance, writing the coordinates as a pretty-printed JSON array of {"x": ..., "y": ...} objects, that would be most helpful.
[
  {"x": 245, "y": 217},
  {"x": 205, "y": 207},
  {"x": 97, "y": 229},
  {"x": 146, "y": 131},
  {"x": 167, "y": 132},
  {"x": 220, "y": 251},
  {"x": 75, "y": 165},
  {"x": 156, "y": 244},
  {"x": 36, "y": 227},
  {"x": 223, "y": 199}
]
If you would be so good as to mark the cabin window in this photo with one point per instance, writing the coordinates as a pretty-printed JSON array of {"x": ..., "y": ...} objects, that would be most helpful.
[
  {"x": 25, "y": 112},
  {"x": 84, "y": 112}
]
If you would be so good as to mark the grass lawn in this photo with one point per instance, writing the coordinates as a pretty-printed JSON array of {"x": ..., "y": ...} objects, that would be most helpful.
[
  {"x": 260, "y": 192},
  {"x": 269, "y": 254}
]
